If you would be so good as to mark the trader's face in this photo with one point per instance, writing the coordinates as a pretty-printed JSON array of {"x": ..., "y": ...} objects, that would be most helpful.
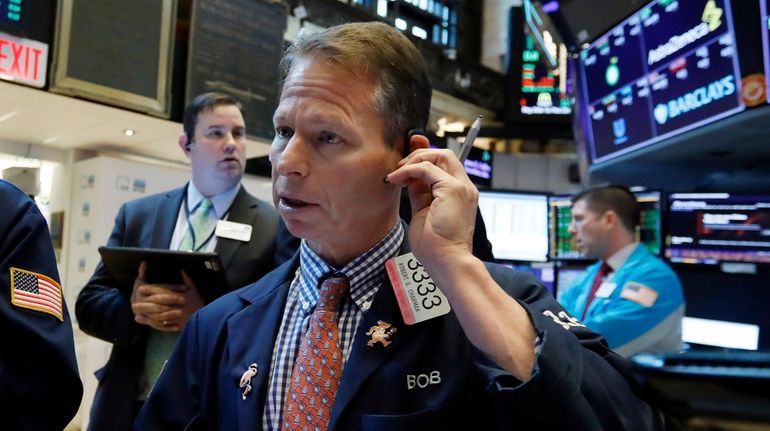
[
  {"x": 589, "y": 230},
  {"x": 329, "y": 159},
  {"x": 218, "y": 151}
]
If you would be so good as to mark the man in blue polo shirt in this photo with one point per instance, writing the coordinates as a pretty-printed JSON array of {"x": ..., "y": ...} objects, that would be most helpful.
[{"x": 630, "y": 296}]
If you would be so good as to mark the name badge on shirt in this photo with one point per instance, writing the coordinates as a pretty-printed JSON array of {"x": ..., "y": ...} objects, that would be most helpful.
[
  {"x": 417, "y": 294},
  {"x": 605, "y": 289},
  {"x": 233, "y": 230}
]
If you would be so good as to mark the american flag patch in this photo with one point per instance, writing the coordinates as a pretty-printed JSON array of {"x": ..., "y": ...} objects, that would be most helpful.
[
  {"x": 36, "y": 291},
  {"x": 639, "y": 293}
]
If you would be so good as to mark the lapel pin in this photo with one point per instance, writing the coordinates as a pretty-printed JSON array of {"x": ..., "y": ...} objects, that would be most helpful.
[
  {"x": 380, "y": 333},
  {"x": 246, "y": 379}
]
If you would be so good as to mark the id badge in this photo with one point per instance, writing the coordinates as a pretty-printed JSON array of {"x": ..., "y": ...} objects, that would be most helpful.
[
  {"x": 605, "y": 289},
  {"x": 417, "y": 294},
  {"x": 233, "y": 230}
]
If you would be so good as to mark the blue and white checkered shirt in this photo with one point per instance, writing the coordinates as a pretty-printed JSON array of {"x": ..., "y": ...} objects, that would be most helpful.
[{"x": 366, "y": 274}]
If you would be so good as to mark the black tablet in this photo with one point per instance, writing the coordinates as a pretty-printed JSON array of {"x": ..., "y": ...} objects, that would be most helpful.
[{"x": 165, "y": 266}]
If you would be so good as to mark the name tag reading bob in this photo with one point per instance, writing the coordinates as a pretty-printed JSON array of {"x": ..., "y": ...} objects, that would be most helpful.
[{"x": 417, "y": 294}]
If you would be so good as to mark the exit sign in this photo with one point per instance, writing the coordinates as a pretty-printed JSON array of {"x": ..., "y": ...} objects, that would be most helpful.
[{"x": 23, "y": 60}]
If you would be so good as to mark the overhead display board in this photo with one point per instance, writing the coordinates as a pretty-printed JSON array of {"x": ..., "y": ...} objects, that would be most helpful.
[
  {"x": 235, "y": 48},
  {"x": 544, "y": 67},
  {"x": 116, "y": 52},
  {"x": 668, "y": 68},
  {"x": 12, "y": 12}
]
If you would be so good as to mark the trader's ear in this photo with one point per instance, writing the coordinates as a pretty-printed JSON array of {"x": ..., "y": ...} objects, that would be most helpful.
[
  {"x": 184, "y": 142},
  {"x": 415, "y": 140}
]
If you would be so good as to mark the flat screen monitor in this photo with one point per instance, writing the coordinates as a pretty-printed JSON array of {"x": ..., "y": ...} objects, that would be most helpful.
[
  {"x": 563, "y": 245},
  {"x": 544, "y": 272},
  {"x": 478, "y": 166},
  {"x": 13, "y": 12},
  {"x": 650, "y": 225},
  {"x": 517, "y": 224},
  {"x": 710, "y": 228},
  {"x": 719, "y": 333},
  {"x": 668, "y": 68},
  {"x": 545, "y": 67},
  {"x": 567, "y": 275}
]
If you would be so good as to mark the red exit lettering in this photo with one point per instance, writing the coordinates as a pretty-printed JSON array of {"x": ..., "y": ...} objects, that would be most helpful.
[{"x": 23, "y": 60}]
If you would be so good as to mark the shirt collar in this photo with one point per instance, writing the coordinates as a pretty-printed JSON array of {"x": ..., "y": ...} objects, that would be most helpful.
[
  {"x": 365, "y": 272},
  {"x": 222, "y": 201},
  {"x": 620, "y": 257}
]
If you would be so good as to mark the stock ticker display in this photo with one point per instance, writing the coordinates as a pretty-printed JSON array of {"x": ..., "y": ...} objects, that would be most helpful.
[
  {"x": 710, "y": 228},
  {"x": 668, "y": 68}
]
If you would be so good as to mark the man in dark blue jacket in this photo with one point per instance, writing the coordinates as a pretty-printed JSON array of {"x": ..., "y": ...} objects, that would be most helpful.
[
  {"x": 142, "y": 320},
  {"x": 378, "y": 346},
  {"x": 40, "y": 387}
]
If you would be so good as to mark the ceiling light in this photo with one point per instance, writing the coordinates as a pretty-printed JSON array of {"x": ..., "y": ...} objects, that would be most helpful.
[{"x": 129, "y": 132}]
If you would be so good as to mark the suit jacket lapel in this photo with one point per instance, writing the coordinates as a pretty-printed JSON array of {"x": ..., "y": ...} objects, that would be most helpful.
[
  {"x": 365, "y": 359},
  {"x": 163, "y": 224},
  {"x": 252, "y": 334},
  {"x": 243, "y": 210}
]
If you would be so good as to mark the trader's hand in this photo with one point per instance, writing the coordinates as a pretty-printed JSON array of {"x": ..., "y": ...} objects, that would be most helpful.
[
  {"x": 158, "y": 306},
  {"x": 443, "y": 205},
  {"x": 192, "y": 302}
]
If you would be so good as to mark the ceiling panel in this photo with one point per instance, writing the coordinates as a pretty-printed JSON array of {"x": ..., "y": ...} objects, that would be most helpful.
[{"x": 33, "y": 116}]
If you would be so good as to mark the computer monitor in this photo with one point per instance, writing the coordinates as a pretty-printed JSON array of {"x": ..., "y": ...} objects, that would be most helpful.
[
  {"x": 562, "y": 243},
  {"x": 478, "y": 166},
  {"x": 668, "y": 68},
  {"x": 517, "y": 224},
  {"x": 567, "y": 275},
  {"x": 544, "y": 271},
  {"x": 711, "y": 228},
  {"x": 650, "y": 225}
]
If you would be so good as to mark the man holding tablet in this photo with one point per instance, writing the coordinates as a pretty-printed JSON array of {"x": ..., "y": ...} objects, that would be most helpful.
[{"x": 212, "y": 212}]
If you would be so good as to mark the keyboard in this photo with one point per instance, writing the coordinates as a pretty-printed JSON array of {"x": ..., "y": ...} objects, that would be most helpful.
[{"x": 739, "y": 364}]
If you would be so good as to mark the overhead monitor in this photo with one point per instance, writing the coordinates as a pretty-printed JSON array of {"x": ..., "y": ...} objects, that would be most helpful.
[
  {"x": 517, "y": 224},
  {"x": 670, "y": 67},
  {"x": 12, "y": 12},
  {"x": 545, "y": 90},
  {"x": 711, "y": 228}
]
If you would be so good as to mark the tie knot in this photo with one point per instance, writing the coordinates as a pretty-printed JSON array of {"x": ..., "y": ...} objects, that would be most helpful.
[
  {"x": 605, "y": 268},
  {"x": 332, "y": 290},
  {"x": 204, "y": 206}
]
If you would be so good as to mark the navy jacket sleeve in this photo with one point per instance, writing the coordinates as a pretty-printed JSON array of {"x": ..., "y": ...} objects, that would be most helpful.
[
  {"x": 577, "y": 381},
  {"x": 103, "y": 307},
  {"x": 40, "y": 388}
]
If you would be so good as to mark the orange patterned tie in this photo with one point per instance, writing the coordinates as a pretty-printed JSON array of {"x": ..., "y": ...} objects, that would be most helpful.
[{"x": 318, "y": 367}]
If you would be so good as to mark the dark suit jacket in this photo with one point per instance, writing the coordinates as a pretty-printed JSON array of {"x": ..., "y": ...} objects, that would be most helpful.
[
  {"x": 103, "y": 308},
  {"x": 578, "y": 384}
]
